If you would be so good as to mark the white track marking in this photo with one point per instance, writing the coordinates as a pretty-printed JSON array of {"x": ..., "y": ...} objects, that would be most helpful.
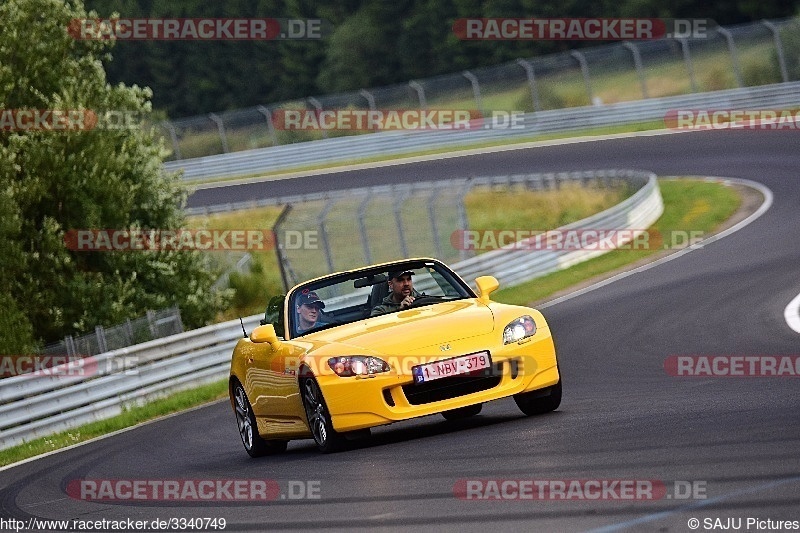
[{"x": 792, "y": 314}]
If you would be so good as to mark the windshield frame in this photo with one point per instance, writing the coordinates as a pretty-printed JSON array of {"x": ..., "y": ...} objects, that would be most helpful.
[{"x": 455, "y": 281}]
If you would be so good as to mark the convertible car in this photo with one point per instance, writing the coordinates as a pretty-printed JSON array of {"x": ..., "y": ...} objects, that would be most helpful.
[{"x": 349, "y": 351}]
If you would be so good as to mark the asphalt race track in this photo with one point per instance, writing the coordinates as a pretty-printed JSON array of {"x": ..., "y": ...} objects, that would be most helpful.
[{"x": 734, "y": 442}]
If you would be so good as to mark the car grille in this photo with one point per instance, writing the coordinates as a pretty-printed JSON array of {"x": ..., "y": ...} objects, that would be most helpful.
[{"x": 453, "y": 387}]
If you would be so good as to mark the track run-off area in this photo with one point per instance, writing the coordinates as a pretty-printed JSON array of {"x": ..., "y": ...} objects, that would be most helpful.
[{"x": 635, "y": 445}]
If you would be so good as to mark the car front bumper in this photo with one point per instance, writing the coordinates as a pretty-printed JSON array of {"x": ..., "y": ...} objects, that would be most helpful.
[{"x": 362, "y": 402}]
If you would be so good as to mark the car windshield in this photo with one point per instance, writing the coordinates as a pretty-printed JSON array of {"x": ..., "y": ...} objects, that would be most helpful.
[{"x": 354, "y": 296}]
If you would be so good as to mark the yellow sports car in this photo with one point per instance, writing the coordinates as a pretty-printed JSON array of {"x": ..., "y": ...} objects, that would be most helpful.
[{"x": 352, "y": 350}]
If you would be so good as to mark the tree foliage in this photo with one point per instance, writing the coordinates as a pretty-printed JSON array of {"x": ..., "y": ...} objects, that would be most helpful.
[
  {"x": 373, "y": 43},
  {"x": 55, "y": 181}
]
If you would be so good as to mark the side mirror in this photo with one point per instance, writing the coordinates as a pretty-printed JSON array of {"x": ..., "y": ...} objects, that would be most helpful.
[
  {"x": 486, "y": 285},
  {"x": 266, "y": 333}
]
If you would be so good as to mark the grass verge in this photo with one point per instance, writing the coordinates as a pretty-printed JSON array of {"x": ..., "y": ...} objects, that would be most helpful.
[{"x": 689, "y": 205}]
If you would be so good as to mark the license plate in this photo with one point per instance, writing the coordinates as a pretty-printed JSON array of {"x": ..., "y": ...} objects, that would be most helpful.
[{"x": 463, "y": 364}]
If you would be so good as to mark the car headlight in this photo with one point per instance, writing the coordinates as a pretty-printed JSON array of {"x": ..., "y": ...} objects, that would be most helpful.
[
  {"x": 357, "y": 365},
  {"x": 519, "y": 329}
]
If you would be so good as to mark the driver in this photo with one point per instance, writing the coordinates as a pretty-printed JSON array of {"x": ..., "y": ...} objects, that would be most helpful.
[
  {"x": 308, "y": 306},
  {"x": 401, "y": 293}
]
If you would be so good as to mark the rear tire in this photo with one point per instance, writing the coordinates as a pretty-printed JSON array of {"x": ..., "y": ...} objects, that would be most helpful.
[
  {"x": 463, "y": 412},
  {"x": 254, "y": 444},
  {"x": 540, "y": 401}
]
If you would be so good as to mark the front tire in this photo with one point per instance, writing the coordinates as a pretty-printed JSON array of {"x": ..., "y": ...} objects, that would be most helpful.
[
  {"x": 253, "y": 443},
  {"x": 319, "y": 419},
  {"x": 540, "y": 401}
]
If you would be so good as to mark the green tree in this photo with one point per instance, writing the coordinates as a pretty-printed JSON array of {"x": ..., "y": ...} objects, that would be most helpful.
[
  {"x": 55, "y": 181},
  {"x": 353, "y": 54}
]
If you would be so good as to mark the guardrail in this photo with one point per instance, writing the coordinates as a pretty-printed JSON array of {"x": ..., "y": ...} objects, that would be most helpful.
[
  {"x": 84, "y": 390},
  {"x": 343, "y": 149},
  {"x": 68, "y": 396}
]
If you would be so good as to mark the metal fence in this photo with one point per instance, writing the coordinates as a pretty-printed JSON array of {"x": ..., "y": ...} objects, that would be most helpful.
[
  {"x": 747, "y": 55},
  {"x": 154, "y": 325},
  {"x": 238, "y": 262},
  {"x": 348, "y": 229}
]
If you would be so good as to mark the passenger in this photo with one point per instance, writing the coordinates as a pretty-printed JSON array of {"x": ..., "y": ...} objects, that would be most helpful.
[{"x": 308, "y": 307}]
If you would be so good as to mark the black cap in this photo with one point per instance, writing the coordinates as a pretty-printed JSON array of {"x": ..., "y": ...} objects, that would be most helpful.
[
  {"x": 308, "y": 298},
  {"x": 394, "y": 274}
]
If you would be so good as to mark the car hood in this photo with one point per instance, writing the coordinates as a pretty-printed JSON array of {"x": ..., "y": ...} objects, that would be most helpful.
[{"x": 406, "y": 332}]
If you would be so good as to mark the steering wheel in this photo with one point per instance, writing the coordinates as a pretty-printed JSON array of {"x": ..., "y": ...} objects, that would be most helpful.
[{"x": 424, "y": 300}]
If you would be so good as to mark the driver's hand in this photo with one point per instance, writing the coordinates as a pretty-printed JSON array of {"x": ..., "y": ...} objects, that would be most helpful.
[{"x": 407, "y": 301}]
